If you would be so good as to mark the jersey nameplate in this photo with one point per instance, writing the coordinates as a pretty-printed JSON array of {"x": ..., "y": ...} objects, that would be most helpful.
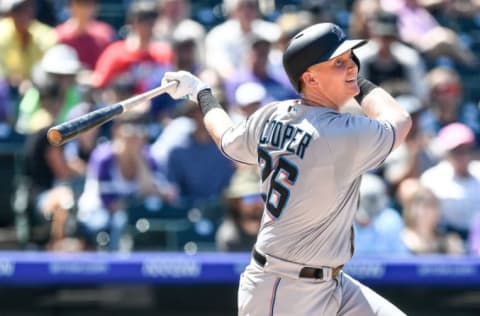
[{"x": 286, "y": 137}]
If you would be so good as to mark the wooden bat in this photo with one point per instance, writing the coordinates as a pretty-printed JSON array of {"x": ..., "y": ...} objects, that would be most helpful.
[{"x": 60, "y": 134}]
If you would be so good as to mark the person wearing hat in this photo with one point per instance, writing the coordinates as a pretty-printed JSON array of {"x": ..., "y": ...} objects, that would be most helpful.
[
  {"x": 389, "y": 63},
  {"x": 60, "y": 64},
  {"x": 455, "y": 180},
  {"x": 249, "y": 97},
  {"x": 311, "y": 157},
  {"x": 238, "y": 231}
]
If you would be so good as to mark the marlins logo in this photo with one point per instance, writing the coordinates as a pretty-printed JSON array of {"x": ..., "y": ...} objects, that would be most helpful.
[{"x": 339, "y": 33}]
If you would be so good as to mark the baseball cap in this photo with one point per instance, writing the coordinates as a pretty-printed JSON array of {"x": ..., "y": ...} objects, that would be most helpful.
[
  {"x": 315, "y": 44},
  {"x": 61, "y": 59},
  {"x": 248, "y": 93},
  {"x": 244, "y": 182},
  {"x": 454, "y": 135}
]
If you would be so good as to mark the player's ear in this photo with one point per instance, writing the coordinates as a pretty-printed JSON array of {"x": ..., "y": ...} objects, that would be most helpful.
[{"x": 308, "y": 78}]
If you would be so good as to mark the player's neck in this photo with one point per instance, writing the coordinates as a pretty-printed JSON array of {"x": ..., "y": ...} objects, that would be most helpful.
[{"x": 312, "y": 101}]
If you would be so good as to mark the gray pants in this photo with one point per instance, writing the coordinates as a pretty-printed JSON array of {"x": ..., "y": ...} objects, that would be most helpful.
[{"x": 263, "y": 293}]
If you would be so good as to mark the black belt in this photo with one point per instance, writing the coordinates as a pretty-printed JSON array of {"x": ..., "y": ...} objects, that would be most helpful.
[{"x": 305, "y": 272}]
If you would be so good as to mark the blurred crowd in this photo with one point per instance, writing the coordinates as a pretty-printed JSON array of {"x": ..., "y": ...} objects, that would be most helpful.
[{"x": 153, "y": 178}]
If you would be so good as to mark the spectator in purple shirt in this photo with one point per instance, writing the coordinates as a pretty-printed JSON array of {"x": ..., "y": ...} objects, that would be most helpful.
[{"x": 119, "y": 171}]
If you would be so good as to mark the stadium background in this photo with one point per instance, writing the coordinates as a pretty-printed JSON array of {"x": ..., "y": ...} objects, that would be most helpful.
[{"x": 453, "y": 288}]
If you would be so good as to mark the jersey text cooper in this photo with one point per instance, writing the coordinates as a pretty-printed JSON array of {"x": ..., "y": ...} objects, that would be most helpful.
[{"x": 286, "y": 137}]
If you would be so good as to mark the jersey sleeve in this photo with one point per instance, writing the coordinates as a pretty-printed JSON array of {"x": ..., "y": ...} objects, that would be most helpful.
[
  {"x": 240, "y": 142},
  {"x": 364, "y": 145}
]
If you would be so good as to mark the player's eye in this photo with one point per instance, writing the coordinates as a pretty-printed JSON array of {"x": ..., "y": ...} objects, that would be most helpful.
[{"x": 339, "y": 63}]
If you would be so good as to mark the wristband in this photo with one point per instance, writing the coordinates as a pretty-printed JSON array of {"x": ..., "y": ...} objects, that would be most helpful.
[
  {"x": 365, "y": 87},
  {"x": 206, "y": 101}
]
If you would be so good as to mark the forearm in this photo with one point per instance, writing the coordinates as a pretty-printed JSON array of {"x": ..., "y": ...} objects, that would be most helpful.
[
  {"x": 216, "y": 120},
  {"x": 217, "y": 123},
  {"x": 379, "y": 104}
]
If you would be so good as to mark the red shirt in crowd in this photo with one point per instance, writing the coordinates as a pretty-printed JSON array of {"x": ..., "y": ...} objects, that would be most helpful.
[
  {"x": 88, "y": 44},
  {"x": 117, "y": 59}
]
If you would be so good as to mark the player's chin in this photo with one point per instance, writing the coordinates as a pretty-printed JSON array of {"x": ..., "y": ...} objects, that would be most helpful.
[{"x": 352, "y": 87}]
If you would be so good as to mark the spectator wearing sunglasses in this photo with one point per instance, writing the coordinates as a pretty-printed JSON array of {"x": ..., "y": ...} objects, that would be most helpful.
[{"x": 448, "y": 103}]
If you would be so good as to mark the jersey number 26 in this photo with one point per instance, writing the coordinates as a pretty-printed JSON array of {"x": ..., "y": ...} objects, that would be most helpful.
[{"x": 284, "y": 176}]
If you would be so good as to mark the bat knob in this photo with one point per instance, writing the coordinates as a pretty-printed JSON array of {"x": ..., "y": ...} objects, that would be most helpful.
[{"x": 54, "y": 137}]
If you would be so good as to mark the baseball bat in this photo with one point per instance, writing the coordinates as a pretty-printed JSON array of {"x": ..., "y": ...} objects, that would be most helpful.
[{"x": 62, "y": 133}]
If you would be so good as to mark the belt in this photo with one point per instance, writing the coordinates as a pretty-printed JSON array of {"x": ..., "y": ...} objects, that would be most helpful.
[{"x": 305, "y": 272}]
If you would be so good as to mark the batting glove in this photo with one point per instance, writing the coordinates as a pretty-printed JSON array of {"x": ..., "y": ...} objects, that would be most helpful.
[{"x": 188, "y": 85}]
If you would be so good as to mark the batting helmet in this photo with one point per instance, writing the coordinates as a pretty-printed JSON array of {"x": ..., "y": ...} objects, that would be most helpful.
[{"x": 313, "y": 45}]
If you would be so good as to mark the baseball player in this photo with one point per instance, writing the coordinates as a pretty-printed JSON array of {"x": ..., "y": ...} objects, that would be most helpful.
[{"x": 311, "y": 157}]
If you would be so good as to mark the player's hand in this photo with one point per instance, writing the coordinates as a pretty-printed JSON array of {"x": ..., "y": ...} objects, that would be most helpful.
[{"x": 188, "y": 85}]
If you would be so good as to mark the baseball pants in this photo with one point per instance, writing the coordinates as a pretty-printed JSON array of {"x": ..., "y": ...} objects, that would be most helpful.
[{"x": 263, "y": 293}]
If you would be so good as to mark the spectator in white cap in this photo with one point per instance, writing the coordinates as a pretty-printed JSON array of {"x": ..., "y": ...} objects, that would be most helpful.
[
  {"x": 456, "y": 179},
  {"x": 249, "y": 96},
  {"x": 60, "y": 63}
]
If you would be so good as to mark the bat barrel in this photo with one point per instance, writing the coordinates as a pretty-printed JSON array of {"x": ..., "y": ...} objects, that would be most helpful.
[
  {"x": 60, "y": 134},
  {"x": 64, "y": 132}
]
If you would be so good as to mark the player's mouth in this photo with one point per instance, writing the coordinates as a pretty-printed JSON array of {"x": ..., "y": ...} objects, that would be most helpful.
[{"x": 352, "y": 81}]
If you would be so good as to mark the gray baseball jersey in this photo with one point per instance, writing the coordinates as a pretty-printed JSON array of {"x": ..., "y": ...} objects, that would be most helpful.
[{"x": 311, "y": 160}]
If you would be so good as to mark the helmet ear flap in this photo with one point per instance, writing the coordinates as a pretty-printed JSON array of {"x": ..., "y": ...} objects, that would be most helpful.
[{"x": 356, "y": 60}]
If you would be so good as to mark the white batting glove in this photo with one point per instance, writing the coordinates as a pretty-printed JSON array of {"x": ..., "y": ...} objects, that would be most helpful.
[{"x": 188, "y": 85}]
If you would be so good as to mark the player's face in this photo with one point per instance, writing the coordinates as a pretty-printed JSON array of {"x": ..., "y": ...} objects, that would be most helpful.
[{"x": 335, "y": 80}]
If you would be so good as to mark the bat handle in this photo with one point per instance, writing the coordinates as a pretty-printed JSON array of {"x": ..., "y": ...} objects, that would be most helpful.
[{"x": 135, "y": 100}]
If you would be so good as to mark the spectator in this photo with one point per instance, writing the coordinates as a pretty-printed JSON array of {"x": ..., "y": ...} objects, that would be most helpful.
[
  {"x": 174, "y": 15},
  {"x": 78, "y": 150},
  {"x": 363, "y": 12},
  {"x": 45, "y": 170},
  {"x": 416, "y": 154},
  {"x": 120, "y": 171},
  {"x": 421, "y": 212},
  {"x": 190, "y": 176},
  {"x": 227, "y": 43},
  {"x": 446, "y": 103},
  {"x": 88, "y": 36},
  {"x": 420, "y": 29},
  {"x": 386, "y": 61},
  {"x": 377, "y": 225},
  {"x": 238, "y": 231},
  {"x": 64, "y": 73},
  {"x": 256, "y": 69},
  {"x": 138, "y": 55},
  {"x": 249, "y": 97},
  {"x": 455, "y": 180},
  {"x": 23, "y": 40}
]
